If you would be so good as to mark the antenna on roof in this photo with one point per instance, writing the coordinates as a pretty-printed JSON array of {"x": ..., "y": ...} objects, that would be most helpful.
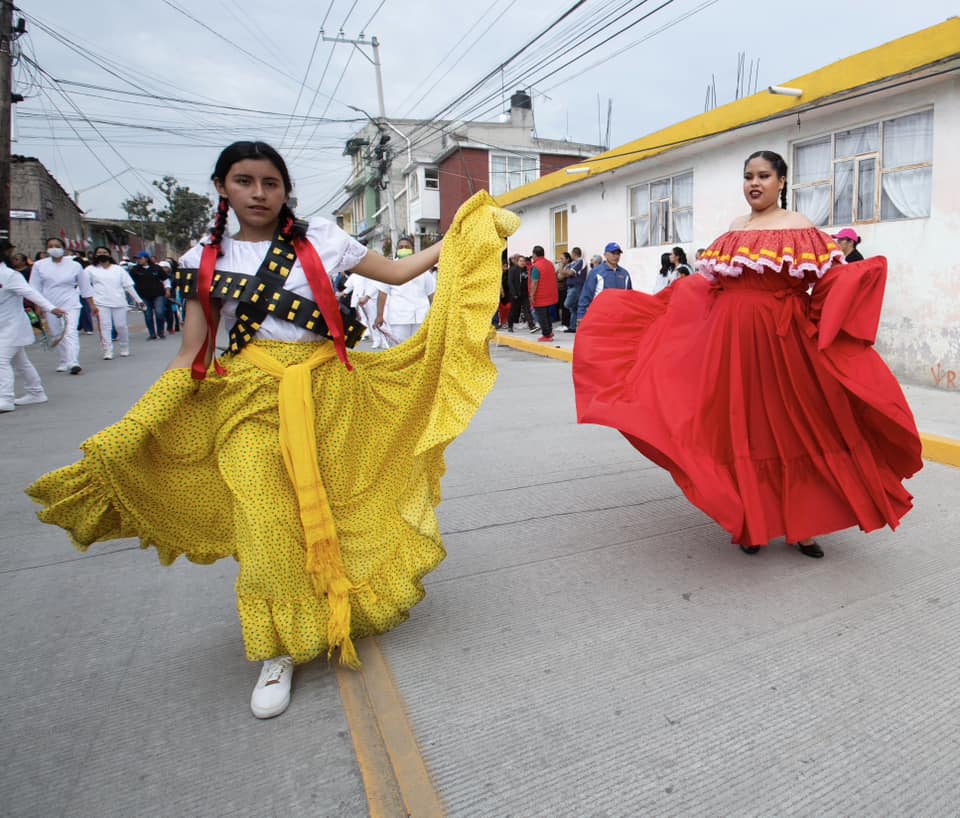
[
  {"x": 606, "y": 135},
  {"x": 599, "y": 122}
]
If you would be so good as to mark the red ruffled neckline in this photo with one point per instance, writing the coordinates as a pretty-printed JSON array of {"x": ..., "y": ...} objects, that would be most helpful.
[{"x": 804, "y": 250}]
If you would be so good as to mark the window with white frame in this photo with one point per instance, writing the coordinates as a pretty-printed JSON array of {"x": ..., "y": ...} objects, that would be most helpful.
[
  {"x": 881, "y": 171},
  {"x": 509, "y": 170},
  {"x": 661, "y": 212},
  {"x": 359, "y": 210},
  {"x": 413, "y": 186},
  {"x": 431, "y": 179}
]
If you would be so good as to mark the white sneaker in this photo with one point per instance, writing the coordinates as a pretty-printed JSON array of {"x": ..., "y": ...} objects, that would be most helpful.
[
  {"x": 25, "y": 400},
  {"x": 108, "y": 356},
  {"x": 272, "y": 693},
  {"x": 124, "y": 353},
  {"x": 62, "y": 368},
  {"x": 6, "y": 406}
]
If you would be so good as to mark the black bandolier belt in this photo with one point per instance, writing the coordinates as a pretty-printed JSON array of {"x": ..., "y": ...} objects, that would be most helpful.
[{"x": 263, "y": 294}]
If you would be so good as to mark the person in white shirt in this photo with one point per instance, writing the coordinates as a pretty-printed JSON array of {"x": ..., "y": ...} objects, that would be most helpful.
[
  {"x": 364, "y": 293},
  {"x": 111, "y": 286},
  {"x": 64, "y": 282},
  {"x": 404, "y": 307},
  {"x": 16, "y": 334}
]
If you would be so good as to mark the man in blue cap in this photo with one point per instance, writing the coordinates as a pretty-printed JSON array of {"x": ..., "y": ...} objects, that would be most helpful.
[{"x": 606, "y": 276}]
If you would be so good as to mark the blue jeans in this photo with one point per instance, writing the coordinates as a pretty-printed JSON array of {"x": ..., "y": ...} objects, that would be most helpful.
[
  {"x": 154, "y": 315},
  {"x": 571, "y": 302}
]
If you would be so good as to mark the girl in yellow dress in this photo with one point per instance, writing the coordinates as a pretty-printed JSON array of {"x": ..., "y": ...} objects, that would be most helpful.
[{"x": 318, "y": 471}]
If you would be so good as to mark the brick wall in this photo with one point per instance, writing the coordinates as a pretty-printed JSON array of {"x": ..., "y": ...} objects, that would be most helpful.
[
  {"x": 32, "y": 188},
  {"x": 550, "y": 162},
  {"x": 462, "y": 174}
]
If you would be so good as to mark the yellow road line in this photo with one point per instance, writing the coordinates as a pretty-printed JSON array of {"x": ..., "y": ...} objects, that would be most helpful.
[
  {"x": 394, "y": 774},
  {"x": 936, "y": 448}
]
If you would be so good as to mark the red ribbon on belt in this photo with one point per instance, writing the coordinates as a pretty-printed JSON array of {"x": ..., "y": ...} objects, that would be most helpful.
[
  {"x": 320, "y": 287},
  {"x": 208, "y": 263},
  {"x": 323, "y": 294}
]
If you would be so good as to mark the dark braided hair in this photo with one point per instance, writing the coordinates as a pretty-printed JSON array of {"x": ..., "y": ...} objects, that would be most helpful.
[
  {"x": 237, "y": 152},
  {"x": 780, "y": 167},
  {"x": 219, "y": 222}
]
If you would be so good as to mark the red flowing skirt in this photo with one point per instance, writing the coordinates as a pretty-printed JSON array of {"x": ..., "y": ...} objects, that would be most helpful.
[{"x": 768, "y": 407}]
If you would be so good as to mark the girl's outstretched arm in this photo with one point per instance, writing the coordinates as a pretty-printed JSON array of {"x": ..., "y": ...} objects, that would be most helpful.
[{"x": 401, "y": 270}]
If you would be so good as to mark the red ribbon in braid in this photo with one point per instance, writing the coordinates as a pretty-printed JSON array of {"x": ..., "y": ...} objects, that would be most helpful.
[{"x": 205, "y": 271}]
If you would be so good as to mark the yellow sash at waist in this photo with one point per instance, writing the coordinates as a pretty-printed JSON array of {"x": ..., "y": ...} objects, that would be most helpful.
[{"x": 298, "y": 445}]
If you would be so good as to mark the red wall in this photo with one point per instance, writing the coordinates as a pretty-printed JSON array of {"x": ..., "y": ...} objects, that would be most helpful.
[
  {"x": 549, "y": 162},
  {"x": 466, "y": 171},
  {"x": 462, "y": 174}
]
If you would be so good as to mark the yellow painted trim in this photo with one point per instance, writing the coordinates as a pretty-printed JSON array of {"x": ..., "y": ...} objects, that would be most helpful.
[
  {"x": 394, "y": 773},
  {"x": 935, "y": 448},
  {"x": 534, "y": 347},
  {"x": 941, "y": 449},
  {"x": 897, "y": 57}
]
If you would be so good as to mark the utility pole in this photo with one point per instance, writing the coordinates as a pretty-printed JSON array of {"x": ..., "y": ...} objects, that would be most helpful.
[
  {"x": 6, "y": 98},
  {"x": 374, "y": 44}
]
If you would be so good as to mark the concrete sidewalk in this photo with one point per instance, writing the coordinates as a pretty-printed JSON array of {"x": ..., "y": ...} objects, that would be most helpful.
[{"x": 592, "y": 646}]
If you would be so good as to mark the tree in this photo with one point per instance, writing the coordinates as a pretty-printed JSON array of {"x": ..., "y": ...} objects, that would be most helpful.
[
  {"x": 140, "y": 209},
  {"x": 187, "y": 214}
]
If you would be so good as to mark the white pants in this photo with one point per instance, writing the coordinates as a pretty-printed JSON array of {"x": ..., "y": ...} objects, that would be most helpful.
[
  {"x": 401, "y": 332},
  {"x": 114, "y": 318},
  {"x": 368, "y": 313},
  {"x": 15, "y": 359},
  {"x": 68, "y": 349}
]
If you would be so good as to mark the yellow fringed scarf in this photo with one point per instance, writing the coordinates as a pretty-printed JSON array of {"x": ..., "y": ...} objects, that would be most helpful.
[{"x": 298, "y": 445}]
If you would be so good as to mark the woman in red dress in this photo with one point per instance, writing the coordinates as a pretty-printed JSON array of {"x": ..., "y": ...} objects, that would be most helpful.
[{"x": 766, "y": 403}]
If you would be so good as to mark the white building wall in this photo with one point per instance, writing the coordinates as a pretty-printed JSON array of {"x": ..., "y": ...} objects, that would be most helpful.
[{"x": 920, "y": 326}]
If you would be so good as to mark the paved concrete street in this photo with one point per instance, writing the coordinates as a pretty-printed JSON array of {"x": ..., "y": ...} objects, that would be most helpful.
[{"x": 592, "y": 646}]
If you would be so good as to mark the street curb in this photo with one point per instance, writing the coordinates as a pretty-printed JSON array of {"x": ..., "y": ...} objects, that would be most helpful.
[
  {"x": 534, "y": 347},
  {"x": 941, "y": 449},
  {"x": 936, "y": 448}
]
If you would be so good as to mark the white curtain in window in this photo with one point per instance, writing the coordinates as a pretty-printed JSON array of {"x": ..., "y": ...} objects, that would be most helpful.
[
  {"x": 641, "y": 232},
  {"x": 866, "y": 189},
  {"x": 857, "y": 141},
  {"x": 660, "y": 222},
  {"x": 843, "y": 192},
  {"x": 812, "y": 161},
  {"x": 814, "y": 203},
  {"x": 683, "y": 190},
  {"x": 683, "y": 226},
  {"x": 906, "y": 194},
  {"x": 639, "y": 202},
  {"x": 908, "y": 140}
]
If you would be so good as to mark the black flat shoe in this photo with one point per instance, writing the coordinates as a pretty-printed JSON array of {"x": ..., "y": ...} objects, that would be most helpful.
[
  {"x": 812, "y": 550},
  {"x": 750, "y": 549}
]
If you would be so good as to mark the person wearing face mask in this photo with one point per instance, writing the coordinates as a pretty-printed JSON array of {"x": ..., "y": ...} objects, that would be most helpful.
[
  {"x": 64, "y": 282},
  {"x": 16, "y": 334},
  {"x": 111, "y": 286},
  {"x": 401, "y": 309}
]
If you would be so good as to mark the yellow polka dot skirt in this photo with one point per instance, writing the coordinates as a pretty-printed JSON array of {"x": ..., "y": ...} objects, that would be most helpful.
[{"x": 195, "y": 469}]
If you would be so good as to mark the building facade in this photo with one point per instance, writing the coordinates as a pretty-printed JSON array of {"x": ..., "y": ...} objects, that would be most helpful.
[
  {"x": 40, "y": 208},
  {"x": 432, "y": 168},
  {"x": 869, "y": 146}
]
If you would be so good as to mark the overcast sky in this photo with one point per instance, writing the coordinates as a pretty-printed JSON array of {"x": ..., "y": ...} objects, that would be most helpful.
[{"x": 432, "y": 52}]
